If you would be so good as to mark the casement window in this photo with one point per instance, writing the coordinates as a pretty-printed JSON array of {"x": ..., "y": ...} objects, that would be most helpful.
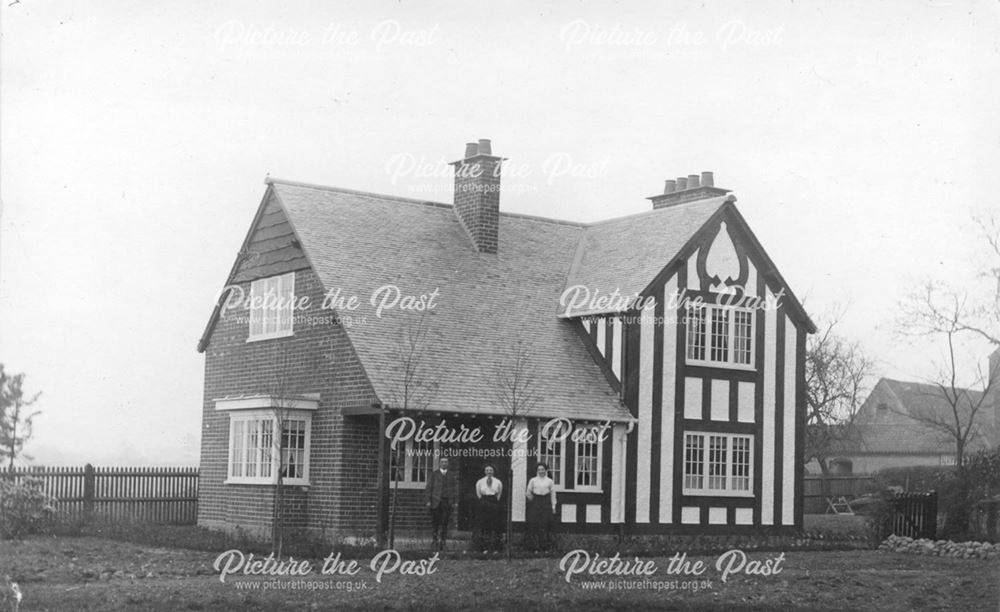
[
  {"x": 587, "y": 464},
  {"x": 258, "y": 454},
  {"x": 553, "y": 454},
  {"x": 271, "y": 307},
  {"x": 718, "y": 464},
  {"x": 411, "y": 463},
  {"x": 585, "y": 443},
  {"x": 720, "y": 336}
]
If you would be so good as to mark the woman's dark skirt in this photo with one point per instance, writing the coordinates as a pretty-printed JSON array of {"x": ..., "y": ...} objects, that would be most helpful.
[{"x": 540, "y": 520}]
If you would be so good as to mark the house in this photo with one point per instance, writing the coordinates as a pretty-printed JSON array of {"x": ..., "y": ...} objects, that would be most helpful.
[
  {"x": 892, "y": 427},
  {"x": 665, "y": 356}
]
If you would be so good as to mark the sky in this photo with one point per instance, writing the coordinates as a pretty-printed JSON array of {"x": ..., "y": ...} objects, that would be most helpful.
[{"x": 860, "y": 138}]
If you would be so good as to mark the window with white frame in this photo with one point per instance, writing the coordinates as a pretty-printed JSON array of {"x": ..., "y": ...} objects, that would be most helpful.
[
  {"x": 412, "y": 462},
  {"x": 720, "y": 335},
  {"x": 272, "y": 302},
  {"x": 258, "y": 456},
  {"x": 587, "y": 467},
  {"x": 718, "y": 464},
  {"x": 552, "y": 452}
]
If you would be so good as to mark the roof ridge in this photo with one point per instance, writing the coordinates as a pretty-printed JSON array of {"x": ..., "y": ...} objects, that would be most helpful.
[
  {"x": 368, "y": 194},
  {"x": 718, "y": 199},
  {"x": 383, "y": 196}
]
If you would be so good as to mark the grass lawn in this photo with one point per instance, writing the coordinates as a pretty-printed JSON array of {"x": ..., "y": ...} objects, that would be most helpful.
[{"x": 86, "y": 573}]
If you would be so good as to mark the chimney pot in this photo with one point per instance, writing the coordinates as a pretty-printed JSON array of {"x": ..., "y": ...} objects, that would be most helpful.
[
  {"x": 484, "y": 147},
  {"x": 471, "y": 149},
  {"x": 693, "y": 188}
]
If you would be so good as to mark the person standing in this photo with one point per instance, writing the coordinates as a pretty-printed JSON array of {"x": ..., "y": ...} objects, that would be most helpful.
[
  {"x": 541, "y": 494},
  {"x": 441, "y": 492},
  {"x": 489, "y": 491}
]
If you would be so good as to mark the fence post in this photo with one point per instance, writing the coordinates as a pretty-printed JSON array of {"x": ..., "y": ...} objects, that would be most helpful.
[{"x": 88, "y": 489}]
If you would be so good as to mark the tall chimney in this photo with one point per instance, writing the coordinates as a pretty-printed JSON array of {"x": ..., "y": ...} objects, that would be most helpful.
[
  {"x": 477, "y": 195},
  {"x": 687, "y": 189}
]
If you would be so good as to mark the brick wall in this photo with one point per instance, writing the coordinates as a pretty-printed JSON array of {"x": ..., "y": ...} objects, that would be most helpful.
[{"x": 341, "y": 498}]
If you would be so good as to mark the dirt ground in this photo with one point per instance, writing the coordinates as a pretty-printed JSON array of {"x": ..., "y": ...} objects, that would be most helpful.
[{"x": 86, "y": 573}]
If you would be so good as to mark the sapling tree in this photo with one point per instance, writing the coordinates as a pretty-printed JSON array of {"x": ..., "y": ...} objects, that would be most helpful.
[
  {"x": 516, "y": 389},
  {"x": 16, "y": 416}
]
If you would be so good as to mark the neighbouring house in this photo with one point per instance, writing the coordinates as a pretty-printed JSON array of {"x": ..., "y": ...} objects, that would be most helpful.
[
  {"x": 891, "y": 428},
  {"x": 664, "y": 360}
]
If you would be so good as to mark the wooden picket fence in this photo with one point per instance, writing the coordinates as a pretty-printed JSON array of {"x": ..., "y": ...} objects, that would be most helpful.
[
  {"x": 914, "y": 515},
  {"x": 148, "y": 494},
  {"x": 816, "y": 489}
]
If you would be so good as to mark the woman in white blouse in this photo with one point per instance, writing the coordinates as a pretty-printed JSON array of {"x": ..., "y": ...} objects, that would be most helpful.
[
  {"x": 489, "y": 512},
  {"x": 541, "y": 494}
]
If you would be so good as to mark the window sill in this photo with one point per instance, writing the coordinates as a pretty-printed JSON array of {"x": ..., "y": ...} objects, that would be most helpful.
[
  {"x": 583, "y": 490},
  {"x": 721, "y": 364},
  {"x": 271, "y": 336},
  {"x": 719, "y": 493},
  {"x": 407, "y": 485},
  {"x": 265, "y": 483}
]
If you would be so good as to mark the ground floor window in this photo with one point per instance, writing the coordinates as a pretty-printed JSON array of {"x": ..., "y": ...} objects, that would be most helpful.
[
  {"x": 264, "y": 444},
  {"x": 587, "y": 466},
  {"x": 411, "y": 462},
  {"x": 718, "y": 464},
  {"x": 552, "y": 452},
  {"x": 584, "y": 444}
]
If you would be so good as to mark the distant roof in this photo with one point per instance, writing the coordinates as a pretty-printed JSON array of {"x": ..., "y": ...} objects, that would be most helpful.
[{"x": 900, "y": 428}]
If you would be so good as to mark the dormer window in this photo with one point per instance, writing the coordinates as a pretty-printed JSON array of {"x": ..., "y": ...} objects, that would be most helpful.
[
  {"x": 720, "y": 336},
  {"x": 272, "y": 302}
]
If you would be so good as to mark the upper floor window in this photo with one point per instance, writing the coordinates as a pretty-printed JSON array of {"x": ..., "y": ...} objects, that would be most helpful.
[
  {"x": 720, "y": 336},
  {"x": 271, "y": 306}
]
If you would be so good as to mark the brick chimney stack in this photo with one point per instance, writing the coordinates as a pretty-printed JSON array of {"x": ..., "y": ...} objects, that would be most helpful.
[
  {"x": 687, "y": 189},
  {"x": 477, "y": 194}
]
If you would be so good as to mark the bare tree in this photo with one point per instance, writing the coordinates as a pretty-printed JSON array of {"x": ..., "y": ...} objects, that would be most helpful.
[
  {"x": 415, "y": 382},
  {"x": 16, "y": 419},
  {"x": 285, "y": 443},
  {"x": 515, "y": 385},
  {"x": 283, "y": 402},
  {"x": 959, "y": 317},
  {"x": 838, "y": 375},
  {"x": 959, "y": 421}
]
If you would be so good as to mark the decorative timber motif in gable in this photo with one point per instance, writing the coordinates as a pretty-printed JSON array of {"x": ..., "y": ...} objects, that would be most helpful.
[{"x": 721, "y": 264}]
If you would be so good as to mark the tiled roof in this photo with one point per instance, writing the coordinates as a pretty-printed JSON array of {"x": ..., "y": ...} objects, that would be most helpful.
[
  {"x": 895, "y": 430},
  {"x": 627, "y": 253},
  {"x": 485, "y": 303}
]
